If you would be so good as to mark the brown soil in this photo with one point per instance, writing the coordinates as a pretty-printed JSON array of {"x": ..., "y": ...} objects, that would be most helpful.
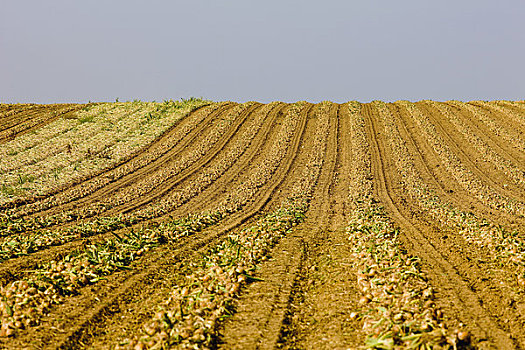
[
  {"x": 458, "y": 278},
  {"x": 23, "y": 120},
  {"x": 305, "y": 290},
  {"x": 179, "y": 132},
  {"x": 470, "y": 157},
  {"x": 128, "y": 171}
]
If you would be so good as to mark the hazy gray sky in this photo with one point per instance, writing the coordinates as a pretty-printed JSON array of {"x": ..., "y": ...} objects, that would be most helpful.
[{"x": 67, "y": 50}]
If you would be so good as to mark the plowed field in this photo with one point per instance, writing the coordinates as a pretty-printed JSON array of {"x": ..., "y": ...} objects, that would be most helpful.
[{"x": 194, "y": 225}]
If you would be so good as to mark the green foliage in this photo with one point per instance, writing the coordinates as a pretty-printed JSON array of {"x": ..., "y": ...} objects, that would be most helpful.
[
  {"x": 87, "y": 119},
  {"x": 11, "y": 191},
  {"x": 56, "y": 173},
  {"x": 22, "y": 179}
]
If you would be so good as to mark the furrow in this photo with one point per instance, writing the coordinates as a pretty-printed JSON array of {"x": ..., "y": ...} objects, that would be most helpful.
[
  {"x": 48, "y": 113},
  {"x": 452, "y": 289},
  {"x": 432, "y": 170},
  {"x": 81, "y": 323},
  {"x": 489, "y": 151},
  {"x": 469, "y": 174},
  {"x": 171, "y": 142},
  {"x": 12, "y": 269},
  {"x": 266, "y": 306},
  {"x": 198, "y": 166}
]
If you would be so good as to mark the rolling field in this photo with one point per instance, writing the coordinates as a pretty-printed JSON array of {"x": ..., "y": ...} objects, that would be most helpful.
[{"x": 196, "y": 224}]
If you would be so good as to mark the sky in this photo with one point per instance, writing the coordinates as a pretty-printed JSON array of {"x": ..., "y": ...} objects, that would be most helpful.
[{"x": 242, "y": 50}]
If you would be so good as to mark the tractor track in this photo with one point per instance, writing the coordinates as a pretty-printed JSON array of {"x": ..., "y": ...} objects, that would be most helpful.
[
  {"x": 147, "y": 171},
  {"x": 506, "y": 143},
  {"x": 265, "y": 308},
  {"x": 433, "y": 167},
  {"x": 327, "y": 279},
  {"x": 164, "y": 144},
  {"x": 419, "y": 238},
  {"x": 90, "y": 313},
  {"x": 465, "y": 155},
  {"x": 14, "y": 268},
  {"x": 433, "y": 172},
  {"x": 25, "y": 124}
]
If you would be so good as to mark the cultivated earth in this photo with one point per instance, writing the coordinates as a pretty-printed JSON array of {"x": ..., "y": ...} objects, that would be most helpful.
[{"x": 194, "y": 224}]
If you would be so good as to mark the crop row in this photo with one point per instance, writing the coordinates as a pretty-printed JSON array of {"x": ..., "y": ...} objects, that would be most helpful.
[
  {"x": 22, "y": 244},
  {"x": 25, "y": 301},
  {"x": 396, "y": 308},
  {"x": 464, "y": 176},
  {"x": 361, "y": 186},
  {"x": 57, "y": 280},
  {"x": 33, "y": 118},
  {"x": 192, "y": 312},
  {"x": 137, "y": 188},
  {"x": 505, "y": 247},
  {"x": 128, "y": 165},
  {"x": 84, "y": 150}
]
